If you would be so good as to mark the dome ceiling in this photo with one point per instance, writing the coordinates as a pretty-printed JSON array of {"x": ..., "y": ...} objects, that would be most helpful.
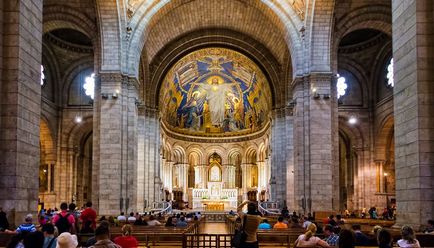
[{"x": 215, "y": 92}]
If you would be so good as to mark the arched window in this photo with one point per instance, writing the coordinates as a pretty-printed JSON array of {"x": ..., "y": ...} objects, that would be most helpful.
[
  {"x": 389, "y": 75},
  {"x": 89, "y": 85},
  {"x": 341, "y": 86},
  {"x": 42, "y": 75}
]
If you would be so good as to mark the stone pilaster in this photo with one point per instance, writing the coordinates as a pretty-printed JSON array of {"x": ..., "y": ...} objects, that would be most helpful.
[
  {"x": 315, "y": 133},
  {"x": 149, "y": 158},
  {"x": 20, "y": 106},
  {"x": 115, "y": 140},
  {"x": 413, "y": 43},
  {"x": 281, "y": 180}
]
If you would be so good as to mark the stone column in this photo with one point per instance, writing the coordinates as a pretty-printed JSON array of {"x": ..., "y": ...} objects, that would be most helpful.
[
  {"x": 204, "y": 176},
  {"x": 316, "y": 140},
  {"x": 280, "y": 179},
  {"x": 231, "y": 176},
  {"x": 148, "y": 133},
  {"x": 20, "y": 106},
  {"x": 116, "y": 141},
  {"x": 413, "y": 44}
]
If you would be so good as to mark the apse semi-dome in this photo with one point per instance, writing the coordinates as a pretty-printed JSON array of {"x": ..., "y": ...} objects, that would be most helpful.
[{"x": 215, "y": 92}]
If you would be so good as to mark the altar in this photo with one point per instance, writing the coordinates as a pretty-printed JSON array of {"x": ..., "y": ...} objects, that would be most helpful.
[{"x": 214, "y": 198}]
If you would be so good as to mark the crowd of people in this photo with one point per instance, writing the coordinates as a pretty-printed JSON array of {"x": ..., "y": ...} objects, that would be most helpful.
[
  {"x": 331, "y": 229},
  {"x": 59, "y": 228}
]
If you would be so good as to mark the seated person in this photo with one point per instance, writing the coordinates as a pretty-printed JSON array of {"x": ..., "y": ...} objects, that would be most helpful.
[
  {"x": 346, "y": 239},
  {"x": 121, "y": 218},
  {"x": 408, "y": 240},
  {"x": 181, "y": 222},
  {"x": 279, "y": 224},
  {"x": 331, "y": 237},
  {"x": 153, "y": 222},
  {"x": 295, "y": 223},
  {"x": 102, "y": 237},
  {"x": 264, "y": 225},
  {"x": 339, "y": 220},
  {"x": 126, "y": 240},
  {"x": 430, "y": 228},
  {"x": 308, "y": 239},
  {"x": 384, "y": 239},
  {"x": 169, "y": 222},
  {"x": 361, "y": 238},
  {"x": 131, "y": 219}
]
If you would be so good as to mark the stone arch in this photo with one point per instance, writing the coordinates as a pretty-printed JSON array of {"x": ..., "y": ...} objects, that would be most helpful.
[
  {"x": 73, "y": 70},
  {"x": 47, "y": 144},
  {"x": 61, "y": 16},
  {"x": 378, "y": 69},
  {"x": 220, "y": 150},
  {"x": 320, "y": 18},
  {"x": 111, "y": 20},
  {"x": 384, "y": 134},
  {"x": 148, "y": 18},
  {"x": 360, "y": 73},
  {"x": 218, "y": 37},
  {"x": 251, "y": 155},
  {"x": 374, "y": 16},
  {"x": 58, "y": 16},
  {"x": 179, "y": 154},
  {"x": 51, "y": 65}
]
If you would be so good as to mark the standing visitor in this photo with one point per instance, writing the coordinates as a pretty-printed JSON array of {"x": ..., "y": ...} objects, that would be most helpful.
[
  {"x": 250, "y": 222},
  {"x": 4, "y": 223},
  {"x": 88, "y": 215},
  {"x": 49, "y": 240},
  {"x": 64, "y": 221}
]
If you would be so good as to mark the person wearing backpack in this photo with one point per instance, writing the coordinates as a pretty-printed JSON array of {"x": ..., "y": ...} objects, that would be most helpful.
[{"x": 64, "y": 221}]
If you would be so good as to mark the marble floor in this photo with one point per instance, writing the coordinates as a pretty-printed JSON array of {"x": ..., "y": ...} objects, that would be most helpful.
[{"x": 214, "y": 228}]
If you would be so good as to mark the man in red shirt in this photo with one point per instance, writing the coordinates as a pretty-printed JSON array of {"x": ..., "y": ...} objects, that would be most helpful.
[
  {"x": 88, "y": 215},
  {"x": 64, "y": 221}
]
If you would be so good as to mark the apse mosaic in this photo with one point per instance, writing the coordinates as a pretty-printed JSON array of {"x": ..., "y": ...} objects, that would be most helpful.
[{"x": 215, "y": 91}]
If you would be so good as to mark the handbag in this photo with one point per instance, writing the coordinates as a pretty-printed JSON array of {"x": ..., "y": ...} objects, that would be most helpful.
[{"x": 240, "y": 235}]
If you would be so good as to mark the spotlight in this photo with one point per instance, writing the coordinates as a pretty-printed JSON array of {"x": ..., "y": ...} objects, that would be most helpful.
[
  {"x": 78, "y": 119},
  {"x": 385, "y": 174},
  {"x": 352, "y": 120},
  {"x": 116, "y": 94},
  {"x": 315, "y": 94}
]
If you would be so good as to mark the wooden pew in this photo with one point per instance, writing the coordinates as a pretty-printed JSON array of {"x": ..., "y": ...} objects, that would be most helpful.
[
  {"x": 425, "y": 240},
  {"x": 5, "y": 238}
]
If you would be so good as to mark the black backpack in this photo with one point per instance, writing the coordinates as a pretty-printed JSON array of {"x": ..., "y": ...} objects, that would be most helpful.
[{"x": 63, "y": 224}]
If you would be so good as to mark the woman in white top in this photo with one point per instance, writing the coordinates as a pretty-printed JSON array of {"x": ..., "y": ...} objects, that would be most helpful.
[
  {"x": 308, "y": 240},
  {"x": 408, "y": 240}
]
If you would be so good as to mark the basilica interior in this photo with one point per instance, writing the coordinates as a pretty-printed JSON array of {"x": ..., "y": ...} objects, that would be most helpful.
[{"x": 322, "y": 105}]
